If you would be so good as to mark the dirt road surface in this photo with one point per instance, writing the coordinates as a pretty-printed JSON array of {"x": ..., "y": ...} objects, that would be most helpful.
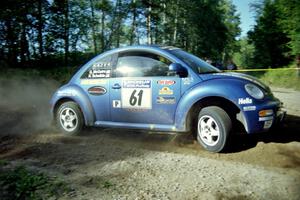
[{"x": 127, "y": 164}]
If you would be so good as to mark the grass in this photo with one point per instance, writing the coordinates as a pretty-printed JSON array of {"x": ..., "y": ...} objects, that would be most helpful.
[
  {"x": 107, "y": 184},
  {"x": 21, "y": 183},
  {"x": 3, "y": 163},
  {"x": 282, "y": 78},
  {"x": 279, "y": 78}
]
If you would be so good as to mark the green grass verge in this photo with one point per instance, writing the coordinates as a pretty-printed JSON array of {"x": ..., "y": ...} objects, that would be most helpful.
[
  {"x": 282, "y": 78},
  {"x": 21, "y": 183}
]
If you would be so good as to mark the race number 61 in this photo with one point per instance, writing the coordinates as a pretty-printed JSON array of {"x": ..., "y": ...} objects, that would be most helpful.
[{"x": 137, "y": 98}]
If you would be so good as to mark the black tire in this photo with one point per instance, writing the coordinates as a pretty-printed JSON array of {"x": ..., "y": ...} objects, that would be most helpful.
[
  {"x": 74, "y": 111},
  {"x": 215, "y": 121}
]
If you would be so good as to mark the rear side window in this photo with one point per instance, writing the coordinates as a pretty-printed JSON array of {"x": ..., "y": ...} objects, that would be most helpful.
[
  {"x": 101, "y": 68},
  {"x": 141, "y": 64}
]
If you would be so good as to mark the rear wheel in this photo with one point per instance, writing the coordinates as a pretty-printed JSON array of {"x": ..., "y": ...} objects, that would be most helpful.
[
  {"x": 213, "y": 128},
  {"x": 69, "y": 118}
]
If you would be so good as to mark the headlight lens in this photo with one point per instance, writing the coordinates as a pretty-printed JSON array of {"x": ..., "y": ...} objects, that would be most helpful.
[{"x": 254, "y": 91}]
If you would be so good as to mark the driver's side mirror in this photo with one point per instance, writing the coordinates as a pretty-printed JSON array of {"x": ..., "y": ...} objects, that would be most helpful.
[{"x": 178, "y": 69}]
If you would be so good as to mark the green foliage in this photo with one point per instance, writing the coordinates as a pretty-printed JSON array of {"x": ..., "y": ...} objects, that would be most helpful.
[
  {"x": 276, "y": 36},
  {"x": 282, "y": 78},
  {"x": 290, "y": 21},
  {"x": 21, "y": 183},
  {"x": 107, "y": 184},
  {"x": 41, "y": 33},
  {"x": 3, "y": 163},
  {"x": 244, "y": 58},
  {"x": 269, "y": 37}
]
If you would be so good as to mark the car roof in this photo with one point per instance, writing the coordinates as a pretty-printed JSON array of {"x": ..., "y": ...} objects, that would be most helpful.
[{"x": 142, "y": 47}]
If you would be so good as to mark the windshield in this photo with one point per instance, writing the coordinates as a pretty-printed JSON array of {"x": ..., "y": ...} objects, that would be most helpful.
[{"x": 198, "y": 65}]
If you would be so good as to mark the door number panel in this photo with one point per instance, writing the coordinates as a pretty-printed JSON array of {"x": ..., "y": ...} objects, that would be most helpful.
[{"x": 136, "y": 94}]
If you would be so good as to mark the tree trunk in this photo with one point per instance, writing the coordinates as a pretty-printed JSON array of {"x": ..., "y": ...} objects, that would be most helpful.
[
  {"x": 93, "y": 26},
  {"x": 134, "y": 24},
  {"x": 175, "y": 23},
  {"x": 164, "y": 22},
  {"x": 102, "y": 30},
  {"x": 23, "y": 44},
  {"x": 119, "y": 21},
  {"x": 148, "y": 24},
  {"x": 40, "y": 28},
  {"x": 12, "y": 48},
  {"x": 66, "y": 32},
  {"x": 298, "y": 64}
]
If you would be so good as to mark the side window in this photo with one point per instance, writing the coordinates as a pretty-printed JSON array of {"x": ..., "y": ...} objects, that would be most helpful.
[
  {"x": 139, "y": 64},
  {"x": 101, "y": 68}
]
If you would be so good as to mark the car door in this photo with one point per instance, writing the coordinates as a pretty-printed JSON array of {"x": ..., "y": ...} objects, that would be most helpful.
[
  {"x": 95, "y": 82},
  {"x": 143, "y": 90}
]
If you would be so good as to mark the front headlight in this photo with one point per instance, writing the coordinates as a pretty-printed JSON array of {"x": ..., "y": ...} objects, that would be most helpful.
[{"x": 254, "y": 91}]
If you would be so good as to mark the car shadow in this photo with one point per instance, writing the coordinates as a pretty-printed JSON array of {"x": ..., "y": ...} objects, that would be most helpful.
[{"x": 288, "y": 132}]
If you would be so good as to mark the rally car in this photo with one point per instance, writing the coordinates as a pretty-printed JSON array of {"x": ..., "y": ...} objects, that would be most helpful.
[{"x": 164, "y": 89}]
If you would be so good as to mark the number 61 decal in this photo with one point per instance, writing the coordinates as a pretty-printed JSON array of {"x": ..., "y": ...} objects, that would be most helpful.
[
  {"x": 136, "y": 98},
  {"x": 137, "y": 94}
]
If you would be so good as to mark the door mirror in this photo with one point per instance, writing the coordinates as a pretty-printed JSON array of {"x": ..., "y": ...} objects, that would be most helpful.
[{"x": 178, "y": 69}]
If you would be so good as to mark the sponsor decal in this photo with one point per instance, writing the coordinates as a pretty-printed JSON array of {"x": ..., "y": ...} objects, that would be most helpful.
[
  {"x": 92, "y": 81},
  {"x": 249, "y": 108},
  {"x": 165, "y": 91},
  {"x": 117, "y": 104},
  {"x": 99, "y": 73},
  {"x": 245, "y": 100},
  {"x": 165, "y": 100},
  {"x": 136, "y": 110},
  {"x": 97, "y": 90},
  {"x": 136, "y": 94},
  {"x": 101, "y": 65},
  {"x": 166, "y": 82},
  {"x": 187, "y": 81},
  {"x": 137, "y": 84}
]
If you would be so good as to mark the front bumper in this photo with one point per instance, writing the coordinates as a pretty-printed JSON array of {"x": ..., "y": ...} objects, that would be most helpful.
[
  {"x": 254, "y": 123},
  {"x": 280, "y": 116}
]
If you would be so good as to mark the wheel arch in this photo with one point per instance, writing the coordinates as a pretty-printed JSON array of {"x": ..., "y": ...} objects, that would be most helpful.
[
  {"x": 231, "y": 108},
  {"x": 74, "y": 94}
]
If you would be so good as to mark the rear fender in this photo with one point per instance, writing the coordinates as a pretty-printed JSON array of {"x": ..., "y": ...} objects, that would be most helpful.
[{"x": 76, "y": 94}]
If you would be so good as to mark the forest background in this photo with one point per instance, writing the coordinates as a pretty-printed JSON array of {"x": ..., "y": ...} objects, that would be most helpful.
[{"x": 54, "y": 37}]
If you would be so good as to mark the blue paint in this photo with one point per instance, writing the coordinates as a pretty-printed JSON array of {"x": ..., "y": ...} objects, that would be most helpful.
[{"x": 162, "y": 103}]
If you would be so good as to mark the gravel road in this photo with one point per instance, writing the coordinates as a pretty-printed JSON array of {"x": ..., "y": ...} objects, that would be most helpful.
[{"x": 128, "y": 164}]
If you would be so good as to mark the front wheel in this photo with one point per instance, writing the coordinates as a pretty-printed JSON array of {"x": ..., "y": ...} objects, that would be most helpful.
[
  {"x": 214, "y": 126},
  {"x": 69, "y": 118}
]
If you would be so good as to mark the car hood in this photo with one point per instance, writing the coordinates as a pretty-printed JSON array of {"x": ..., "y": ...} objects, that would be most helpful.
[{"x": 233, "y": 75}]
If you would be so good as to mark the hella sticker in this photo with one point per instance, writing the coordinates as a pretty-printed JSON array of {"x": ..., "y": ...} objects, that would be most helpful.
[
  {"x": 166, "y": 82},
  {"x": 245, "y": 101},
  {"x": 97, "y": 90}
]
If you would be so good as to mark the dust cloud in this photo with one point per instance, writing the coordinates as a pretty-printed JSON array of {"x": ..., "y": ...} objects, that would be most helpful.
[{"x": 24, "y": 105}]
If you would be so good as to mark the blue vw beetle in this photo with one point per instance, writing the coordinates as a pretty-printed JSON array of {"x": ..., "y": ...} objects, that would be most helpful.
[{"x": 164, "y": 89}]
